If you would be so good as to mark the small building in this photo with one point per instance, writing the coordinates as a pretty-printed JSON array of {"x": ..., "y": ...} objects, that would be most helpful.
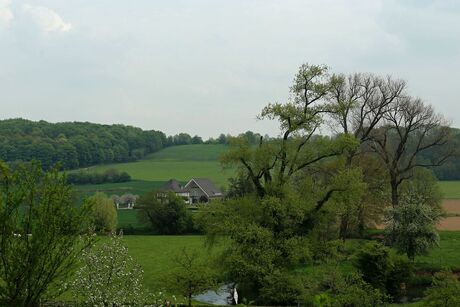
[{"x": 197, "y": 190}]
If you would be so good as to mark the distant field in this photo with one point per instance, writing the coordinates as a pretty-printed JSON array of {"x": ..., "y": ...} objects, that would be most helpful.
[
  {"x": 178, "y": 162},
  {"x": 136, "y": 187},
  {"x": 451, "y": 189}
]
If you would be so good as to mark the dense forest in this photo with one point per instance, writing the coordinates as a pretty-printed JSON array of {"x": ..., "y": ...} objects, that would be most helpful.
[{"x": 75, "y": 144}]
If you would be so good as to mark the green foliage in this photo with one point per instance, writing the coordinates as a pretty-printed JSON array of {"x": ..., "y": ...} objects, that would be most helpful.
[
  {"x": 281, "y": 288},
  {"x": 108, "y": 276},
  {"x": 165, "y": 212},
  {"x": 108, "y": 176},
  {"x": 192, "y": 275},
  {"x": 356, "y": 292},
  {"x": 373, "y": 261},
  {"x": 338, "y": 289},
  {"x": 444, "y": 291},
  {"x": 381, "y": 269},
  {"x": 104, "y": 213},
  {"x": 39, "y": 234},
  {"x": 411, "y": 226},
  {"x": 75, "y": 144}
]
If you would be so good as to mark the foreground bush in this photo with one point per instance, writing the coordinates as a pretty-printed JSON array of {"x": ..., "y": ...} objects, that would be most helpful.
[
  {"x": 108, "y": 276},
  {"x": 39, "y": 234},
  {"x": 444, "y": 292},
  {"x": 383, "y": 271}
]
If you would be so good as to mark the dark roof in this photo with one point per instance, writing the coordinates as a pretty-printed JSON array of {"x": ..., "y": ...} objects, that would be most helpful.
[
  {"x": 207, "y": 186},
  {"x": 172, "y": 185}
]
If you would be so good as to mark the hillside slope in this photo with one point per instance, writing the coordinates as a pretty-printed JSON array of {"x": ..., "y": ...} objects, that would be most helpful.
[{"x": 178, "y": 162}]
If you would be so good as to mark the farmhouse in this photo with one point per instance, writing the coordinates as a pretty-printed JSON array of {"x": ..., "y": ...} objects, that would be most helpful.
[{"x": 197, "y": 190}]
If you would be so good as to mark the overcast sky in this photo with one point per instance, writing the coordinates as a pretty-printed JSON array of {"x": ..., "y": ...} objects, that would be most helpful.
[{"x": 206, "y": 67}]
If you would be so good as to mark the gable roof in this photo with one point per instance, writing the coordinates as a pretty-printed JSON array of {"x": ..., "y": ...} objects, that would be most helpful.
[
  {"x": 207, "y": 186},
  {"x": 172, "y": 185}
]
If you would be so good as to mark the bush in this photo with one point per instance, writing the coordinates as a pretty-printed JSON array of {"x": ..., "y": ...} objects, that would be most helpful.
[
  {"x": 382, "y": 270},
  {"x": 109, "y": 176},
  {"x": 336, "y": 289},
  {"x": 281, "y": 288},
  {"x": 166, "y": 214},
  {"x": 108, "y": 276},
  {"x": 104, "y": 214},
  {"x": 444, "y": 291}
]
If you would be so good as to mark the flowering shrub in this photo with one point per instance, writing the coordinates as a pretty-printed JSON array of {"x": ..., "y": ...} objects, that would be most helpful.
[{"x": 108, "y": 276}]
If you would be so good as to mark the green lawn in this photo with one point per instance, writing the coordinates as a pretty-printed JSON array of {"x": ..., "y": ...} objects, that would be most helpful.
[
  {"x": 178, "y": 162},
  {"x": 451, "y": 189}
]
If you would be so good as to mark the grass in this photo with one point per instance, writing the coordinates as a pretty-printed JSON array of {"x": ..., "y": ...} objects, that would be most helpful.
[
  {"x": 178, "y": 162},
  {"x": 450, "y": 189},
  {"x": 157, "y": 254},
  {"x": 447, "y": 255},
  {"x": 137, "y": 187}
]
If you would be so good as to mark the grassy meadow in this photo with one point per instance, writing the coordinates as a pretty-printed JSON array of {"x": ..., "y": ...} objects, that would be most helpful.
[
  {"x": 179, "y": 162},
  {"x": 450, "y": 189},
  {"x": 157, "y": 254}
]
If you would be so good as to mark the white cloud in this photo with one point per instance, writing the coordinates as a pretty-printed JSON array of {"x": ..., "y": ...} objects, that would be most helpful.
[
  {"x": 6, "y": 15},
  {"x": 47, "y": 19}
]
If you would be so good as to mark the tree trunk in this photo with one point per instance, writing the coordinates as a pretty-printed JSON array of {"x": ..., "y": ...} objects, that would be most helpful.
[
  {"x": 394, "y": 193},
  {"x": 344, "y": 227}
]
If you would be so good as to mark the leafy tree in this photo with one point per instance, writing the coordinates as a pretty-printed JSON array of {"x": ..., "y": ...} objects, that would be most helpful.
[
  {"x": 412, "y": 226},
  {"x": 197, "y": 140},
  {"x": 104, "y": 213},
  {"x": 444, "y": 290},
  {"x": 108, "y": 276},
  {"x": 192, "y": 275},
  {"x": 239, "y": 186},
  {"x": 165, "y": 212},
  {"x": 272, "y": 163},
  {"x": 39, "y": 234}
]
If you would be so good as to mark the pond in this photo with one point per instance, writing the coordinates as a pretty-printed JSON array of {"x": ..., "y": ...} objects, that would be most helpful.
[{"x": 220, "y": 296}]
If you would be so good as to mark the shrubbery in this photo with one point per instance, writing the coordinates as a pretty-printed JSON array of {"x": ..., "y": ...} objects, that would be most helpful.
[
  {"x": 109, "y": 176},
  {"x": 382, "y": 270}
]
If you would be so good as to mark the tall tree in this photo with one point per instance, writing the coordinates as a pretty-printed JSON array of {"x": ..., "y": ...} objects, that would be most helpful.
[
  {"x": 270, "y": 164},
  {"x": 410, "y": 128}
]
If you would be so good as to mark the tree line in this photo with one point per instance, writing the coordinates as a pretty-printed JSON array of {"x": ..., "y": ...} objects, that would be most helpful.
[{"x": 82, "y": 144}]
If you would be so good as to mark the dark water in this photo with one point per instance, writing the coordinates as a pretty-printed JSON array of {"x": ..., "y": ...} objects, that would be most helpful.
[{"x": 217, "y": 297}]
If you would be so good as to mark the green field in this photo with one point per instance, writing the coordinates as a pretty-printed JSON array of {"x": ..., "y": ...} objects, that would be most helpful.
[
  {"x": 450, "y": 189},
  {"x": 157, "y": 254},
  {"x": 178, "y": 162},
  {"x": 137, "y": 187}
]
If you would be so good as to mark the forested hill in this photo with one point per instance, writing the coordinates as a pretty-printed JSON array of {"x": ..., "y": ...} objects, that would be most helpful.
[{"x": 75, "y": 144}]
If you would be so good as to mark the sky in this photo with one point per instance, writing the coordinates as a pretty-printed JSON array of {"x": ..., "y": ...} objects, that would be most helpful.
[{"x": 209, "y": 67}]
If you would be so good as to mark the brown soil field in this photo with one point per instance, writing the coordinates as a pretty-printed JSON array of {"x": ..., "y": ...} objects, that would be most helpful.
[
  {"x": 450, "y": 223},
  {"x": 451, "y": 205}
]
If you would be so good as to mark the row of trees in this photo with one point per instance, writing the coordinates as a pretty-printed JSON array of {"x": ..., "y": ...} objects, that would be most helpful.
[
  {"x": 108, "y": 176},
  {"x": 78, "y": 144}
]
